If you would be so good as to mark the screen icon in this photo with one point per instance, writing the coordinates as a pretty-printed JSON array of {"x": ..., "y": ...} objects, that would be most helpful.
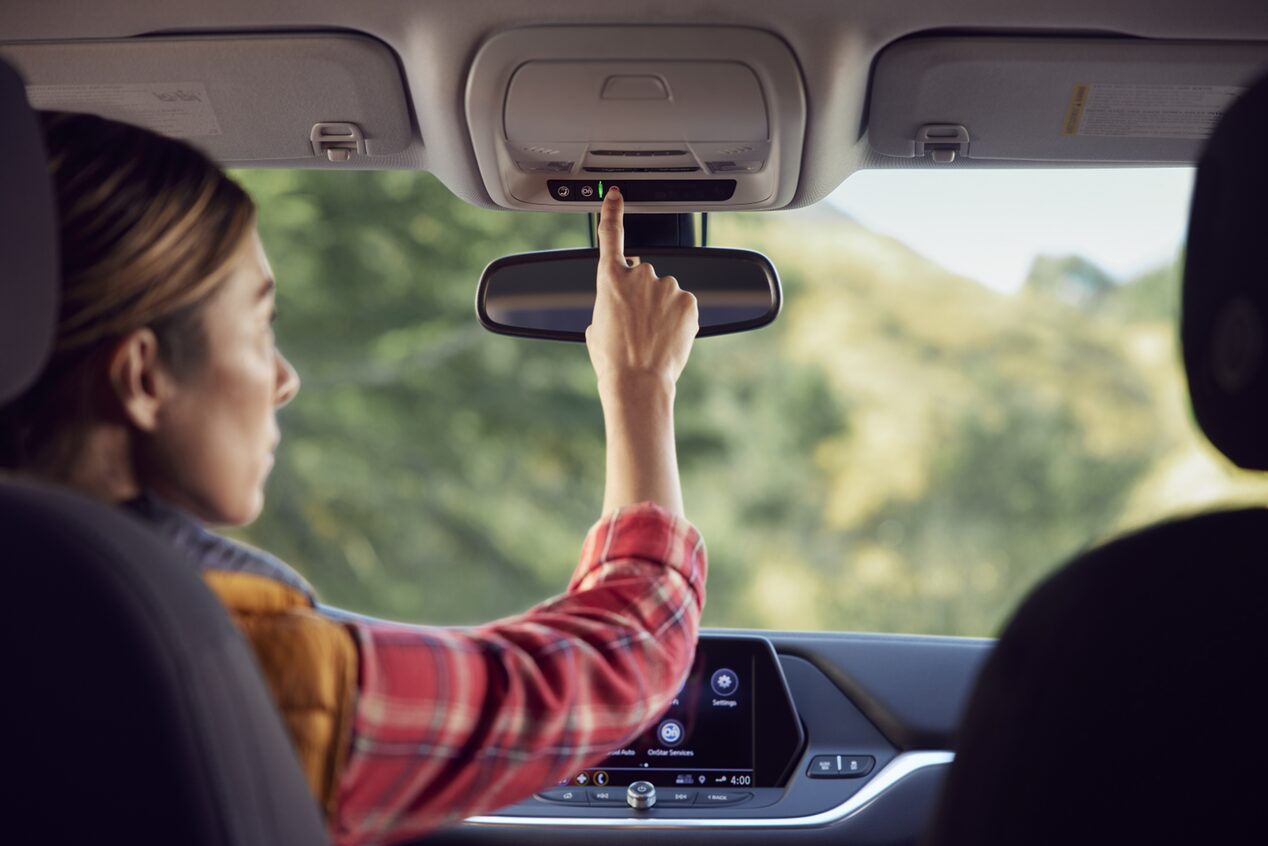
[
  {"x": 670, "y": 732},
  {"x": 683, "y": 778},
  {"x": 725, "y": 682}
]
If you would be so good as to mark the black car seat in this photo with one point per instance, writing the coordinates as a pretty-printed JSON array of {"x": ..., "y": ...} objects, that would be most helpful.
[
  {"x": 1125, "y": 701},
  {"x": 133, "y": 711}
]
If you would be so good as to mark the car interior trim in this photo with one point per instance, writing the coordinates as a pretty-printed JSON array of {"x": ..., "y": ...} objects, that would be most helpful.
[{"x": 898, "y": 769}]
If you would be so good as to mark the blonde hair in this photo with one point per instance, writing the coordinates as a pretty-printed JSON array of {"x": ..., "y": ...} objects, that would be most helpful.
[{"x": 147, "y": 226}]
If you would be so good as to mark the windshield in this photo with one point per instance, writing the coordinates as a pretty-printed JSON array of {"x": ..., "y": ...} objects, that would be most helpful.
[{"x": 975, "y": 375}]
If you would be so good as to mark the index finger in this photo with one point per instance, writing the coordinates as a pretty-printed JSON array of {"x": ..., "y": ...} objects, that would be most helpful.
[{"x": 612, "y": 228}]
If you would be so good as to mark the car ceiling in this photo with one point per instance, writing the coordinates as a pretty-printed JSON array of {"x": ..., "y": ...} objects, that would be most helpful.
[{"x": 835, "y": 45}]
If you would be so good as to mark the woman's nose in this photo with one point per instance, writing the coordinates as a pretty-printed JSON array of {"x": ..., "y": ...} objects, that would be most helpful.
[{"x": 287, "y": 381}]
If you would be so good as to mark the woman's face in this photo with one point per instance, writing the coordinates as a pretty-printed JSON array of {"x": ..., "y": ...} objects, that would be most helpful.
[{"x": 212, "y": 448}]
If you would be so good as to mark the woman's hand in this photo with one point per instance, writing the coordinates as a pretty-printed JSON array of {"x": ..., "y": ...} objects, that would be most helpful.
[
  {"x": 644, "y": 324},
  {"x": 639, "y": 340}
]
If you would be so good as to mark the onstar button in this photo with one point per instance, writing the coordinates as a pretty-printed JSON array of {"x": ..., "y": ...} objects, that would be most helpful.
[
  {"x": 670, "y": 732},
  {"x": 721, "y": 797}
]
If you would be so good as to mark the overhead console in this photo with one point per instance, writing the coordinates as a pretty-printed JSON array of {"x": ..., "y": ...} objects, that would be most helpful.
[
  {"x": 955, "y": 99},
  {"x": 681, "y": 118}
]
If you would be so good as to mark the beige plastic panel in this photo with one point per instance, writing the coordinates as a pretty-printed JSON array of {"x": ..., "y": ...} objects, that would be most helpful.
[
  {"x": 635, "y": 101},
  {"x": 241, "y": 98},
  {"x": 1059, "y": 100}
]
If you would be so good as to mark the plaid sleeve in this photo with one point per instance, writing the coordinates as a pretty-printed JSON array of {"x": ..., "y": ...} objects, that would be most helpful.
[{"x": 455, "y": 722}]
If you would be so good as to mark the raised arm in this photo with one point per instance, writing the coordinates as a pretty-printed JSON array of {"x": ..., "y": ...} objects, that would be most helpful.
[
  {"x": 642, "y": 333},
  {"x": 450, "y": 722}
]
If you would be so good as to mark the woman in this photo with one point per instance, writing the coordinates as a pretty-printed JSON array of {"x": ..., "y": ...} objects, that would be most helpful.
[{"x": 161, "y": 396}]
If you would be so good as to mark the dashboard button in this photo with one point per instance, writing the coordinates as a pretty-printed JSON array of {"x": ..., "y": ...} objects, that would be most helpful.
[
  {"x": 823, "y": 766},
  {"x": 718, "y": 798},
  {"x": 567, "y": 795},
  {"x": 725, "y": 682},
  {"x": 676, "y": 798},
  {"x": 854, "y": 766},
  {"x": 606, "y": 795},
  {"x": 641, "y": 795},
  {"x": 840, "y": 766}
]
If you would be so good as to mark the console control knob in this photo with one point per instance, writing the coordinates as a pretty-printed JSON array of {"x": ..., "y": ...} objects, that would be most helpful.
[{"x": 641, "y": 794}]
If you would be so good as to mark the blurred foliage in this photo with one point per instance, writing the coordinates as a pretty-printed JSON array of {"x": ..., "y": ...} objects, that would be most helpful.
[{"x": 903, "y": 450}]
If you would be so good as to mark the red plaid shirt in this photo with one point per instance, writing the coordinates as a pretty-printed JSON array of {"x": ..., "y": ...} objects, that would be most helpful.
[{"x": 454, "y": 722}]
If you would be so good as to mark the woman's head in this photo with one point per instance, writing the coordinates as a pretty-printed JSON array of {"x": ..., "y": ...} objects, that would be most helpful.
[{"x": 164, "y": 373}]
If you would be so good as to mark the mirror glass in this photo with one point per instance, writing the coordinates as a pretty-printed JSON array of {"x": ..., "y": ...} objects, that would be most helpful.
[{"x": 551, "y": 294}]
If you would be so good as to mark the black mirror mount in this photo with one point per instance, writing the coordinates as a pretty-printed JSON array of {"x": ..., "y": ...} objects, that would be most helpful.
[
  {"x": 656, "y": 230},
  {"x": 550, "y": 295}
]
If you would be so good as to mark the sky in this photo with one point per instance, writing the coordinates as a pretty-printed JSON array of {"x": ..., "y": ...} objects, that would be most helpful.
[{"x": 989, "y": 225}]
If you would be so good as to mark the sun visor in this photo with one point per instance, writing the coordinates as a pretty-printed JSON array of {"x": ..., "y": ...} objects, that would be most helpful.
[
  {"x": 1054, "y": 100},
  {"x": 557, "y": 114},
  {"x": 286, "y": 100}
]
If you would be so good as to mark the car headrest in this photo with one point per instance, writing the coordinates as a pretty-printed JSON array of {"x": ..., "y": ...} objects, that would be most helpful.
[
  {"x": 28, "y": 243},
  {"x": 1224, "y": 312}
]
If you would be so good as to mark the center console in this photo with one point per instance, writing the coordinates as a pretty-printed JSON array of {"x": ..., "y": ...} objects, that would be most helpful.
[{"x": 753, "y": 739}]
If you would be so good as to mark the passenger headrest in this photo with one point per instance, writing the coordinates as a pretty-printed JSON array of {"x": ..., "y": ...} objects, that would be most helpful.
[
  {"x": 28, "y": 243},
  {"x": 1224, "y": 313}
]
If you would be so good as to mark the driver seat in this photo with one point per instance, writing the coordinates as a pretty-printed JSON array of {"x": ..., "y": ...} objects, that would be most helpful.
[
  {"x": 133, "y": 708},
  {"x": 1124, "y": 702}
]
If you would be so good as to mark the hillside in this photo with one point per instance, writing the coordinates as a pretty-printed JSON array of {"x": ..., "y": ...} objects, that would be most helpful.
[{"x": 902, "y": 450}]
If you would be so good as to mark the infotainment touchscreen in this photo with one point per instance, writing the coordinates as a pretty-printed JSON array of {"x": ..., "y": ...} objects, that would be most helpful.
[{"x": 731, "y": 724}]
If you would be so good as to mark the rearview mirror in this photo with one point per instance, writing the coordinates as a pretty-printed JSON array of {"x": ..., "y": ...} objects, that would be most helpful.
[{"x": 551, "y": 294}]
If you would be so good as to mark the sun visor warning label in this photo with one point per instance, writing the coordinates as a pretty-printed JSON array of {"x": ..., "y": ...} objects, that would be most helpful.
[
  {"x": 176, "y": 109},
  {"x": 1146, "y": 111}
]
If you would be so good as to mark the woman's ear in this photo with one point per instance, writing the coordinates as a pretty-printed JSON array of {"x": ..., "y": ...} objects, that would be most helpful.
[{"x": 138, "y": 379}]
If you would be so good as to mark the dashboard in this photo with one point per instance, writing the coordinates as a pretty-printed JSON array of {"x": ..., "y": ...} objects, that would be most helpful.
[{"x": 793, "y": 736}]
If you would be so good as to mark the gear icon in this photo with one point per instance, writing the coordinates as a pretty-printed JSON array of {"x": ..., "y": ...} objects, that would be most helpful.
[{"x": 725, "y": 682}]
